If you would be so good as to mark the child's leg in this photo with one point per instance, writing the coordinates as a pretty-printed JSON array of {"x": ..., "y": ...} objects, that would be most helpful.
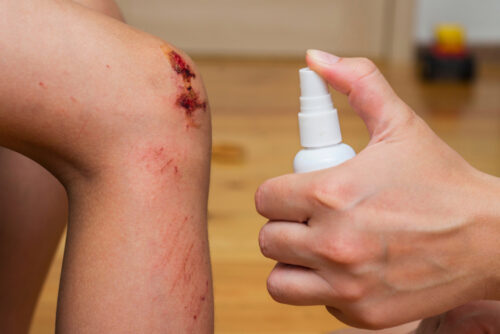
[
  {"x": 33, "y": 214},
  {"x": 122, "y": 122},
  {"x": 34, "y": 211}
]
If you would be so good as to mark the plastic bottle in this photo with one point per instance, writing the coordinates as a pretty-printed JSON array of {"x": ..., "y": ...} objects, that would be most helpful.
[{"x": 319, "y": 127}]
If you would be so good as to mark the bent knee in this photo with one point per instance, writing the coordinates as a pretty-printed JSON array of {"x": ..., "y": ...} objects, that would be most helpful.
[{"x": 154, "y": 111}]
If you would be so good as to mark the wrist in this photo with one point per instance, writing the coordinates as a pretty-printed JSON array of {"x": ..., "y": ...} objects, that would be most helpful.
[{"x": 487, "y": 218}]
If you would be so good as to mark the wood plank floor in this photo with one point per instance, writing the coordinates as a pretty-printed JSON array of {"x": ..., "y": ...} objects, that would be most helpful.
[{"x": 254, "y": 105}]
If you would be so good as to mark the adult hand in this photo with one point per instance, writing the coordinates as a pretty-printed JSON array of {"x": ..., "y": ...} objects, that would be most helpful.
[
  {"x": 405, "y": 230},
  {"x": 481, "y": 317}
]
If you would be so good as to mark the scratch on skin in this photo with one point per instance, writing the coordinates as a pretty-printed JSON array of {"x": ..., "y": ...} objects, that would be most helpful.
[
  {"x": 183, "y": 271},
  {"x": 42, "y": 85},
  {"x": 157, "y": 160},
  {"x": 172, "y": 240},
  {"x": 162, "y": 169},
  {"x": 188, "y": 99}
]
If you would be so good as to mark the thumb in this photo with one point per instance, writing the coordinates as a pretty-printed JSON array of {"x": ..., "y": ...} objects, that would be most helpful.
[{"x": 369, "y": 93}]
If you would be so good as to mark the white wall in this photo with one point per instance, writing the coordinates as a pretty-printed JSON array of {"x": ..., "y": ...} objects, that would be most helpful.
[
  {"x": 481, "y": 18},
  {"x": 268, "y": 27}
]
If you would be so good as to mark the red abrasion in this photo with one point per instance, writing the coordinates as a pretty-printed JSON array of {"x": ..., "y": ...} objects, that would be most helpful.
[
  {"x": 188, "y": 99},
  {"x": 190, "y": 102},
  {"x": 157, "y": 152},
  {"x": 157, "y": 160},
  {"x": 166, "y": 165},
  {"x": 180, "y": 66},
  {"x": 195, "y": 317},
  {"x": 73, "y": 99},
  {"x": 41, "y": 84},
  {"x": 176, "y": 170}
]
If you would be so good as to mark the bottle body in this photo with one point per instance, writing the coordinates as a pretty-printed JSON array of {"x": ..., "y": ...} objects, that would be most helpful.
[{"x": 312, "y": 159}]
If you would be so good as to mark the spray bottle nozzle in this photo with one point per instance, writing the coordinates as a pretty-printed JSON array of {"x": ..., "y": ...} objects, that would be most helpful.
[
  {"x": 318, "y": 120},
  {"x": 311, "y": 84},
  {"x": 314, "y": 95}
]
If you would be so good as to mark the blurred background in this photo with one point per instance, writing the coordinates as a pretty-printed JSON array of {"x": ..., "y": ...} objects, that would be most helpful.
[{"x": 441, "y": 56}]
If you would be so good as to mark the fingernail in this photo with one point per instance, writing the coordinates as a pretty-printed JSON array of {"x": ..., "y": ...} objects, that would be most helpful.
[{"x": 323, "y": 57}]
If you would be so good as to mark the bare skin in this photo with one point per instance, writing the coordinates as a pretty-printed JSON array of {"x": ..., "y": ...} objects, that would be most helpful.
[
  {"x": 482, "y": 317},
  {"x": 33, "y": 215},
  {"x": 405, "y": 230},
  {"x": 99, "y": 108},
  {"x": 34, "y": 211},
  {"x": 106, "y": 7}
]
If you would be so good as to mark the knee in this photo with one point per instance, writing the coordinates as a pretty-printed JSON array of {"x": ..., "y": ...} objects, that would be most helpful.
[{"x": 155, "y": 118}]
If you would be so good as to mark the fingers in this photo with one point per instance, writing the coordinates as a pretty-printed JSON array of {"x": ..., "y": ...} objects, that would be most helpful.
[
  {"x": 285, "y": 198},
  {"x": 287, "y": 243},
  {"x": 369, "y": 93},
  {"x": 297, "y": 286}
]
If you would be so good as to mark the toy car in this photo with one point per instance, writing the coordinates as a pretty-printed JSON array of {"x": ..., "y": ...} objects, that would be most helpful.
[{"x": 448, "y": 58}]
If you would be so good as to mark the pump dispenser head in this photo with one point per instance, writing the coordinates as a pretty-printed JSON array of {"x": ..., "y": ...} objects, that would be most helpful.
[
  {"x": 311, "y": 84},
  {"x": 318, "y": 119}
]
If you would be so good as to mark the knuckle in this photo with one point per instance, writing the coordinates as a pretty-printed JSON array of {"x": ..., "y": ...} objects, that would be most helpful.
[
  {"x": 333, "y": 195},
  {"x": 339, "y": 250},
  {"x": 362, "y": 84},
  {"x": 366, "y": 66},
  {"x": 329, "y": 249}
]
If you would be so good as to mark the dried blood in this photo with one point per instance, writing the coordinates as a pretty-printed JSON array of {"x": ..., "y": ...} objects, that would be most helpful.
[
  {"x": 180, "y": 66},
  {"x": 188, "y": 99}
]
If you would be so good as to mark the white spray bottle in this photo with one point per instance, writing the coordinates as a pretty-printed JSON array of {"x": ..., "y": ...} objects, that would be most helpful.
[{"x": 319, "y": 127}]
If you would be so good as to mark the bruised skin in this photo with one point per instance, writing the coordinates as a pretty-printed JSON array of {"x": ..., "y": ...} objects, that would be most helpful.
[{"x": 188, "y": 99}]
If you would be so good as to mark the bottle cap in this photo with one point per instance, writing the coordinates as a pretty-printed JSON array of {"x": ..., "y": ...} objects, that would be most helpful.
[{"x": 318, "y": 119}]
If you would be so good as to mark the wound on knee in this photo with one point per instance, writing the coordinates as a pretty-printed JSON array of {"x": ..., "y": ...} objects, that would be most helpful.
[
  {"x": 180, "y": 66},
  {"x": 188, "y": 99}
]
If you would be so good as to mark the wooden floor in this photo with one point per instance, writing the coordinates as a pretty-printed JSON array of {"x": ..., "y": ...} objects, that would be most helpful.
[{"x": 254, "y": 105}]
